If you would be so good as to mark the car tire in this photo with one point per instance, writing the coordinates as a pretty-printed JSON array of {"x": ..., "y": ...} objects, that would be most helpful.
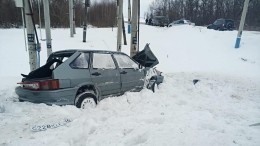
[
  {"x": 155, "y": 87},
  {"x": 20, "y": 100},
  {"x": 86, "y": 100},
  {"x": 229, "y": 26},
  {"x": 152, "y": 84}
]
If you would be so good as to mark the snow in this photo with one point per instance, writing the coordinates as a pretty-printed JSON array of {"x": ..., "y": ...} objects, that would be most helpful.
[{"x": 218, "y": 110}]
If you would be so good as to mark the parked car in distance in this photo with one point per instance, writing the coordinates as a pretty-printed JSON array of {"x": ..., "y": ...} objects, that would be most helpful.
[
  {"x": 160, "y": 21},
  {"x": 84, "y": 77},
  {"x": 222, "y": 24},
  {"x": 181, "y": 22}
]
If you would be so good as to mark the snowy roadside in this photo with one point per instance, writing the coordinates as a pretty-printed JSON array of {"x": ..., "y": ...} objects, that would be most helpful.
[{"x": 216, "y": 111}]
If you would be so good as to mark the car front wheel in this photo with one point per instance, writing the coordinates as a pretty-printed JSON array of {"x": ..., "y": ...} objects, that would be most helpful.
[{"x": 86, "y": 100}]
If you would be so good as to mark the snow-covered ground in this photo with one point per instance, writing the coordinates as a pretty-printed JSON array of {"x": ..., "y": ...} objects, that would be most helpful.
[{"x": 223, "y": 108}]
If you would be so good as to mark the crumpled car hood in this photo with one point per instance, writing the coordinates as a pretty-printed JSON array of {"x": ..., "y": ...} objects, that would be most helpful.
[{"x": 146, "y": 57}]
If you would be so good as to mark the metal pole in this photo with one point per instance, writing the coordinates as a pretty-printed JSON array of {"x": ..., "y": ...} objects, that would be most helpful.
[
  {"x": 30, "y": 35},
  {"x": 241, "y": 25},
  {"x": 129, "y": 16},
  {"x": 119, "y": 22},
  {"x": 71, "y": 17},
  {"x": 74, "y": 21},
  {"x": 134, "y": 47},
  {"x": 87, "y": 4},
  {"x": 47, "y": 26}
]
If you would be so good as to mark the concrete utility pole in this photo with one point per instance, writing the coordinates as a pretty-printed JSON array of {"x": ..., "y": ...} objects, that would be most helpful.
[
  {"x": 30, "y": 35},
  {"x": 47, "y": 26},
  {"x": 134, "y": 47},
  {"x": 123, "y": 27},
  {"x": 71, "y": 17},
  {"x": 119, "y": 22},
  {"x": 40, "y": 20},
  {"x": 129, "y": 16},
  {"x": 87, "y": 4},
  {"x": 241, "y": 25},
  {"x": 74, "y": 15}
]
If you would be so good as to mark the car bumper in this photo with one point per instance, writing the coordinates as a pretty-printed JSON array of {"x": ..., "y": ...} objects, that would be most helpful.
[
  {"x": 58, "y": 97},
  {"x": 159, "y": 79}
]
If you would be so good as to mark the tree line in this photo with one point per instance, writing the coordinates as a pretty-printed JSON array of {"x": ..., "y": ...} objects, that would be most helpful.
[
  {"x": 204, "y": 12},
  {"x": 100, "y": 14}
]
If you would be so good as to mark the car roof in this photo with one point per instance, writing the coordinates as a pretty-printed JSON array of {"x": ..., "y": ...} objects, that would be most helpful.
[
  {"x": 184, "y": 20},
  {"x": 160, "y": 16},
  {"x": 225, "y": 19},
  {"x": 69, "y": 52},
  {"x": 72, "y": 51}
]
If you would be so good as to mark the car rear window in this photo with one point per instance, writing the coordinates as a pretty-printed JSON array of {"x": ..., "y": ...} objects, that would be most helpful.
[{"x": 82, "y": 61}]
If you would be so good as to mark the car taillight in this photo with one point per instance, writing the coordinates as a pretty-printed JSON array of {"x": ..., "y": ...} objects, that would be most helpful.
[{"x": 41, "y": 85}]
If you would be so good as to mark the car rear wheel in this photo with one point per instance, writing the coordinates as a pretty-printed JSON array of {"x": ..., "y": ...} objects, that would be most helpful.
[
  {"x": 86, "y": 100},
  {"x": 229, "y": 26},
  {"x": 88, "y": 103},
  {"x": 20, "y": 100}
]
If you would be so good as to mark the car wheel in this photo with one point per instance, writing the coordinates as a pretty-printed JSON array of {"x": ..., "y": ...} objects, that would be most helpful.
[
  {"x": 155, "y": 87},
  {"x": 152, "y": 84},
  {"x": 229, "y": 26},
  {"x": 20, "y": 100},
  {"x": 86, "y": 100}
]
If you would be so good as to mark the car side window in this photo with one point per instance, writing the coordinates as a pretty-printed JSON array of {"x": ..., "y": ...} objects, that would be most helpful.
[
  {"x": 181, "y": 22},
  {"x": 103, "y": 61},
  {"x": 82, "y": 61},
  {"x": 125, "y": 62}
]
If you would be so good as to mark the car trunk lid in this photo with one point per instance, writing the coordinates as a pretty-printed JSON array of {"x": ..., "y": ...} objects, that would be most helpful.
[{"x": 146, "y": 57}]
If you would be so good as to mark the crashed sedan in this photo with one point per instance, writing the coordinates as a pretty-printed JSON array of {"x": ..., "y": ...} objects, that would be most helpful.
[{"x": 85, "y": 77}]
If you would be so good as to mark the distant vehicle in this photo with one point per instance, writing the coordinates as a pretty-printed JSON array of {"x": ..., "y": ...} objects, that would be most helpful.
[
  {"x": 181, "y": 22},
  {"x": 84, "y": 77},
  {"x": 222, "y": 24},
  {"x": 160, "y": 21}
]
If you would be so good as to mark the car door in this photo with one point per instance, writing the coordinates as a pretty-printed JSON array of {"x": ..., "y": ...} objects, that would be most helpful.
[
  {"x": 75, "y": 69},
  {"x": 132, "y": 78},
  {"x": 104, "y": 74}
]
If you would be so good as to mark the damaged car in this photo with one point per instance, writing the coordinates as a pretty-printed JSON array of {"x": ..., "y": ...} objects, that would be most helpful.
[{"x": 85, "y": 77}]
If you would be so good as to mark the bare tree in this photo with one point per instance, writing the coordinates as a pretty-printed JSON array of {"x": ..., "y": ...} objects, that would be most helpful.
[
  {"x": 10, "y": 16},
  {"x": 102, "y": 13},
  {"x": 203, "y": 12}
]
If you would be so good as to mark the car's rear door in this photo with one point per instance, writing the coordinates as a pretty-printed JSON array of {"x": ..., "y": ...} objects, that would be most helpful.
[
  {"x": 105, "y": 74},
  {"x": 132, "y": 78}
]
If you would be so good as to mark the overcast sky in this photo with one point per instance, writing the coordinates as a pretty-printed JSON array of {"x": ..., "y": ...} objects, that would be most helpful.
[{"x": 144, "y": 6}]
